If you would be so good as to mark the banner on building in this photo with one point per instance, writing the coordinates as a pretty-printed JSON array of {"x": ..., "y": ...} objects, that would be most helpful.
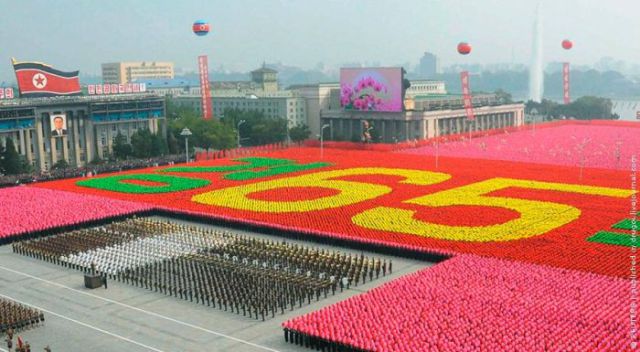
[
  {"x": 565, "y": 82},
  {"x": 466, "y": 95},
  {"x": 107, "y": 88},
  {"x": 6, "y": 93},
  {"x": 207, "y": 109},
  {"x": 40, "y": 80}
]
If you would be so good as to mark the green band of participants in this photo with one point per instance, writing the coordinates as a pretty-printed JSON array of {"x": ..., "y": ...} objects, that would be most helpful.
[
  {"x": 276, "y": 170},
  {"x": 242, "y": 172},
  {"x": 247, "y": 163},
  {"x": 170, "y": 183},
  {"x": 614, "y": 238}
]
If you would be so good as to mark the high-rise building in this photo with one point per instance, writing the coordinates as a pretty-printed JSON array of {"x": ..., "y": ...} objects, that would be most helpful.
[
  {"x": 429, "y": 65},
  {"x": 127, "y": 72}
]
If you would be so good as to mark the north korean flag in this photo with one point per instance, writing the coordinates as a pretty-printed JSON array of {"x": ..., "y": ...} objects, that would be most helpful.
[{"x": 40, "y": 80}]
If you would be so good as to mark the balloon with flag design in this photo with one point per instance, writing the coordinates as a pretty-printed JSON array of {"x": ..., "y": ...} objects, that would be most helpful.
[{"x": 201, "y": 28}]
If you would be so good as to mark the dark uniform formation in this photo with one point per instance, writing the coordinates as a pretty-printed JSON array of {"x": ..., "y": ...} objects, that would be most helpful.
[
  {"x": 317, "y": 343},
  {"x": 254, "y": 277}
]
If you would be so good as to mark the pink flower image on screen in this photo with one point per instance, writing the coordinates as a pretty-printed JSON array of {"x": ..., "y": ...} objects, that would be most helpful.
[
  {"x": 471, "y": 303},
  {"x": 371, "y": 89},
  {"x": 26, "y": 209}
]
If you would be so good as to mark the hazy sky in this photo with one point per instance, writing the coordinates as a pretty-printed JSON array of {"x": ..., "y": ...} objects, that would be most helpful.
[{"x": 83, "y": 34}]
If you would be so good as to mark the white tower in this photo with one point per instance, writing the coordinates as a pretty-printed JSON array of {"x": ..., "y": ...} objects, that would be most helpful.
[{"x": 536, "y": 71}]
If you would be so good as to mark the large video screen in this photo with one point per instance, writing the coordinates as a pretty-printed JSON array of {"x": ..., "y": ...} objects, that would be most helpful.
[{"x": 371, "y": 89}]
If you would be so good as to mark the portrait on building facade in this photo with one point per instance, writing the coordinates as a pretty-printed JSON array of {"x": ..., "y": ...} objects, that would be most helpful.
[{"x": 58, "y": 125}]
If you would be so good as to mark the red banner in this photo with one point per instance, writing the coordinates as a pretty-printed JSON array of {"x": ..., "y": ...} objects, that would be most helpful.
[
  {"x": 466, "y": 95},
  {"x": 6, "y": 93},
  {"x": 40, "y": 80},
  {"x": 207, "y": 109},
  {"x": 107, "y": 88},
  {"x": 565, "y": 82}
]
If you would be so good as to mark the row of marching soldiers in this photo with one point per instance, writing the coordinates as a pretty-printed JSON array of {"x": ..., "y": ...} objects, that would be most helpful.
[
  {"x": 16, "y": 317},
  {"x": 317, "y": 343},
  {"x": 255, "y": 277}
]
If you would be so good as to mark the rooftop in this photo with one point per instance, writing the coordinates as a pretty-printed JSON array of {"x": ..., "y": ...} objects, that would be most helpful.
[{"x": 64, "y": 100}]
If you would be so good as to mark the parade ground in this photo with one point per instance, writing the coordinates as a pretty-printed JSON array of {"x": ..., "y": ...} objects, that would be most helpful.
[{"x": 128, "y": 318}]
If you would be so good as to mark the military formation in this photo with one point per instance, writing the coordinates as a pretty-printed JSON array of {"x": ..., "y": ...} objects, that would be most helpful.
[
  {"x": 317, "y": 343},
  {"x": 245, "y": 275},
  {"x": 16, "y": 317}
]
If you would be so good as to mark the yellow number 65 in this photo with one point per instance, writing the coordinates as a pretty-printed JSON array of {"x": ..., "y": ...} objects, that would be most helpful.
[{"x": 536, "y": 217}]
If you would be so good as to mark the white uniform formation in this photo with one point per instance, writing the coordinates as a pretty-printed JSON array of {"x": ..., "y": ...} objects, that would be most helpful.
[
  {"x": 115, "y": 259},
  {"x": 247, "y": 275}
]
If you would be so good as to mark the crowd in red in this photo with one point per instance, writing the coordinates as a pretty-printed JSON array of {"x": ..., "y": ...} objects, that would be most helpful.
[{"x": 471, "y": 303}]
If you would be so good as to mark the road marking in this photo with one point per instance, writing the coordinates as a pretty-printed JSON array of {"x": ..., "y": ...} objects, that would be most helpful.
[
  {"x": 83, "y": 324},
  {"x": 143, "y": 311}
]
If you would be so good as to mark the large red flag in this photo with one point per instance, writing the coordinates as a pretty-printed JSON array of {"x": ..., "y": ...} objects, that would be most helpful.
[{"x": 40, "y": 80}]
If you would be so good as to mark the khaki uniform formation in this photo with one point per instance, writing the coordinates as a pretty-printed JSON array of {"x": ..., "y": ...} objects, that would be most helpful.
[
  {"x": 254, "y": 277},
  {"x": 56, "y": 248},
  {"x": 16, "y": 317}
]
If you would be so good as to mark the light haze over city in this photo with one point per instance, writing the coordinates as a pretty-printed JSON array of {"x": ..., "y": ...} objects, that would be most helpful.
[{"x": 81, "y": 35}]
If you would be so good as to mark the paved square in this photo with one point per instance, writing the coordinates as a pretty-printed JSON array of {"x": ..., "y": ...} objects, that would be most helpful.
[{"x": 127, "y": 318}]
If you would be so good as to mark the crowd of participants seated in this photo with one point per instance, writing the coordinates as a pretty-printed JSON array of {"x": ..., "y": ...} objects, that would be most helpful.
[
  {"x": 258, "y": 277},
  {"x": 70, "y": 172}
]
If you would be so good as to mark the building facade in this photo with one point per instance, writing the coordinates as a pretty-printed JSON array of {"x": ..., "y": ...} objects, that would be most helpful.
[
  {"x": 261, "y": 94},
  {"x": 277, "y": 105},
  {"x": 318, "y": 97},
  {"x": 128, "y": 72},
  {"x": 421, "y": 87},
  {"x": 394, "y": 127},
  {"x": 88, "y": 125}
]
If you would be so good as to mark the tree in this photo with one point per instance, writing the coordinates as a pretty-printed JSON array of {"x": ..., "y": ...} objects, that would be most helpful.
[
  {"x": 158, "y": 145},
  {"x": 257, "y": 129},
  {"x": 299, "y": 133},
  {"x": 584, "y": 108},
  {"x": 207, "y": 134},
  {"x": 121, "y": 149},
  {"x": 503, "y": 97},
  {"x": 172, "y": 143},
  {"x": 11, "y": 162},
  {"x": 60, "y": 165},
  {"x": 141, "y": 143}
]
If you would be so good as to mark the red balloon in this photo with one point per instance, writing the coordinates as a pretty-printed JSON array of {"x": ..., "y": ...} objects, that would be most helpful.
[
  {"x": 567, "y": 44},
  {"x": 464, "y": 48}
]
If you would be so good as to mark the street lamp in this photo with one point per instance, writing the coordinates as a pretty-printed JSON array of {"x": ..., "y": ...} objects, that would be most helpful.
[
  {"x": 186, "y": 133},
  {"x": 322, "y": 139},
  {"x": 238, "y": 130}
]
